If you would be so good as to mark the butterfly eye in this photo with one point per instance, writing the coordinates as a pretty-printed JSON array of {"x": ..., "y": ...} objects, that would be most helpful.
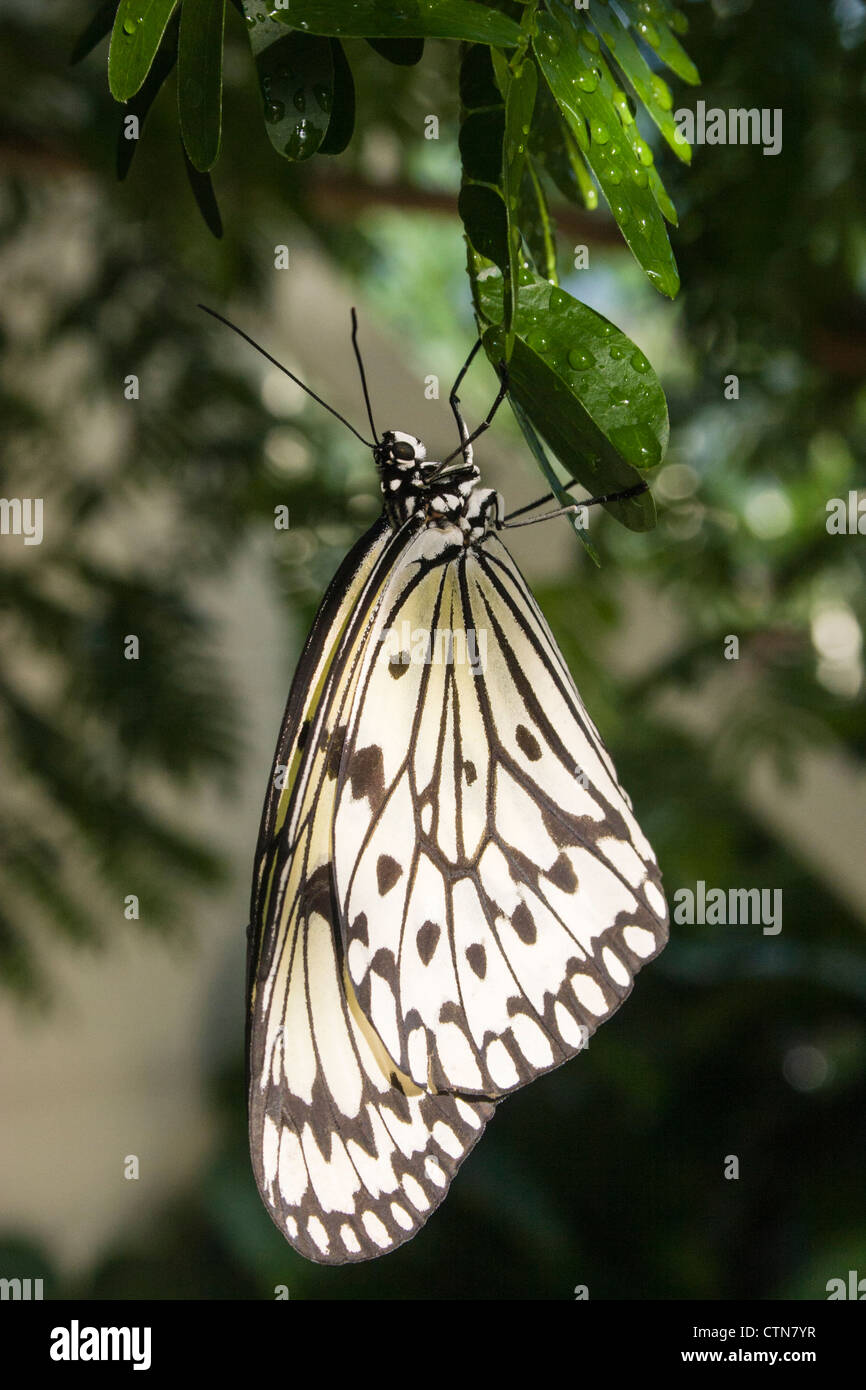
[{"x": 404, "y": 452}]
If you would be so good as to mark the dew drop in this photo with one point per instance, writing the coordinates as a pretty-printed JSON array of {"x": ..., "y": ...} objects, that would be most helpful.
[
  {"x": 662, "y": 92},
  {"x": 539, "y": 342},
  {"x": 323, "y": 95},
  {"x": 581, "y": 359},
  {"x": 648, "y": 32},
  {"x": 295, "y": 146},
  {"x": 587, "y": 82},
  {"x": 557, "y": 299},
  {"x": 552, "y": 42},
  {"x": 274, "y": 112},
  {"x": 617, "y": 352},
  {"x": 643, "y": 151},
  {"x": 639, "y": 362},
  {"x": 299, "y": 100},
  {"x": 623, "y": 109},
  {"x": 600, "y": 133},
  {"x": 639, "y": 176},
  {"x": 589, "y": 41}
]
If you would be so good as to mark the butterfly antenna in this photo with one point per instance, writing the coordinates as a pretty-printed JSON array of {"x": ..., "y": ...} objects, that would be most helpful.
[
  {"x": 258, "y": 347},
  {"x": 363, "y": 374}
]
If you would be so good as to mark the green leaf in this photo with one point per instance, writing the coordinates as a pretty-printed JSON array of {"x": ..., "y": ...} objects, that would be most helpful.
[
  {"x": 482, "y": 212},
  {"x": 138, "y": 29},
  {"x": 343, "y": 110},
  {"x": 144, "y": 98},
  {"x": 553, "y": 144},
  {"x": 652, "y": 89},
  {"x": 563, "y": 497},
  {"x": 405, "y": 53},
  {"x": 599, "y": 116},
  {"x": 93, "y": 33},
  {"x": 200, "y": 79},
  {"x": 586, "y": 388},
  {"x": 480, "y": 142},
  {"x": 519, "y": 104},
  {"x": 373, "y": 19},
  {"x": 296, "y": 77},
  {"x": 653, "y": 23},
  {"x": 478, "y": 87},
  {"x": 537, "y": 225}
]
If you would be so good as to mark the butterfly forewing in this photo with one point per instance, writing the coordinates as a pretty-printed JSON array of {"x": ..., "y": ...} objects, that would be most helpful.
[
  {"x": 350, "y": 1157},
  {"x": 496, "y": 894}
]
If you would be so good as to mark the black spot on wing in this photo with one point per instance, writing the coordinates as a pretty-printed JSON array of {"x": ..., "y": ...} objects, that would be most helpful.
[
  {"x": 477, "y": 958},
  {"x": 427, "y": 940},
  {"x": 387, "y": 873},
  {"x": 335, "y": 752},
  {"x": 523, "y": 923},
  {"x": 562, "y": 875},
  {"x": 527, "y": 743},
  {"x": 367, "y": 775}
]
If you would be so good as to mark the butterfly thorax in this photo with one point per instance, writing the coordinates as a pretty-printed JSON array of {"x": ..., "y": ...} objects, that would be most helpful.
[{"x": 449, "y": 496}]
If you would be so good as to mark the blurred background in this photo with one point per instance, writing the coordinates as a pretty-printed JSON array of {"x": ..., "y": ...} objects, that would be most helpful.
[{"x": 123, "y": 1035}]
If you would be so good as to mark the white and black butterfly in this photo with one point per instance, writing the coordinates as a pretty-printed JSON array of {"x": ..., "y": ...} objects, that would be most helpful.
[{"x": 451, "y": 891}]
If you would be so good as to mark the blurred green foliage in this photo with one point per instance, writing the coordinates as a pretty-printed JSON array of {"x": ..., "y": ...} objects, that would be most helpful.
[{"x": 607, "y": 1172}]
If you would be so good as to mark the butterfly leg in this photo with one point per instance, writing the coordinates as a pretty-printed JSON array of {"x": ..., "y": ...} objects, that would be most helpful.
[
  {"x": 454, "y": 400},
  {"x": 502, "y": 369}
]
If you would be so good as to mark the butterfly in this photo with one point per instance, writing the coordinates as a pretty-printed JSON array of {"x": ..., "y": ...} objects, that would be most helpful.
[{"x": 451, "y": 891}]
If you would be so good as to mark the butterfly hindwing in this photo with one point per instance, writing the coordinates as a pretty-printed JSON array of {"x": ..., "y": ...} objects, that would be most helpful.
[{"x": 497, "y": 895}]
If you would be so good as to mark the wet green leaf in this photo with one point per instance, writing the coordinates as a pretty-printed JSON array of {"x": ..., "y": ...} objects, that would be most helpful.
[
  {"x": 597, "y": 111},
  {"x": 296, "y": 76},
  {"x": 138, "y": 29},
  {"x": 653, "y": 25},
  {"x": 435, "y": 19},
  {"x": 586, "y": 388},
  {"x": 200, "y": 79},
  {"x": 519, "y": 103},
  {"x": 140, "y": 104},
  {"x": 652, "y": 89}
]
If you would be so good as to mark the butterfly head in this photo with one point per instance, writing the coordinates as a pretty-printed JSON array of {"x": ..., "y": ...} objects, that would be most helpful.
[{"x": 399, "y": 451}]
